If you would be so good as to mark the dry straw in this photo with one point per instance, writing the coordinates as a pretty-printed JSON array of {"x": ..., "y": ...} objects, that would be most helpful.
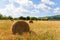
[{"x": 20, "y": 27}]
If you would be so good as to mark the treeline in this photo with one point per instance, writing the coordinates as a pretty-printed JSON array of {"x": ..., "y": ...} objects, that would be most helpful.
[
  {"x": 57, "y": 17},
  {"x": 19, "y": 18}
]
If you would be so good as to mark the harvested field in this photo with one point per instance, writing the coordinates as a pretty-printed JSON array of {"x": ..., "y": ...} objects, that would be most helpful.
[{"x": 40, "y": 30}]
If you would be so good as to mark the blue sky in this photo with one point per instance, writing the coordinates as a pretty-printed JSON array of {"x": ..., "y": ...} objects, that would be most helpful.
[{"x": 37, "y": 8}]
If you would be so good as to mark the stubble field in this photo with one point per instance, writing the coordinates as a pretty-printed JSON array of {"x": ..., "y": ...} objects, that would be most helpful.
[{"x": 41, "y": 30}]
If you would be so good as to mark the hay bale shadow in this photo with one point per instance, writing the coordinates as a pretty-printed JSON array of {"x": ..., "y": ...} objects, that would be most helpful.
[
  {"x": 20, "y": 27},
  {"x": 33, "y": 36}
]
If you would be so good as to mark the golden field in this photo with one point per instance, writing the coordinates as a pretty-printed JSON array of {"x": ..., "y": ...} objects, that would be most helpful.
[{"x": 41, "y": 30}]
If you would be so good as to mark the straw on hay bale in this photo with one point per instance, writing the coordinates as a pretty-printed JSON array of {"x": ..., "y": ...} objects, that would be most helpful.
[
  {"x": 30, "y": 21},
  {"x": 20, "y": 27}
]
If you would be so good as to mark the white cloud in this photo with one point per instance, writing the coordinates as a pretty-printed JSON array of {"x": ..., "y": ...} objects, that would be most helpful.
[
  {"x": 56, "y": 10},
  {"x": 22, "y": 2},
  {"x": 11, "y": 10},
  {"x": 15, "y": 12},
  {"x": 43, "y": 7},
  {"x": 48, "y": 2}
]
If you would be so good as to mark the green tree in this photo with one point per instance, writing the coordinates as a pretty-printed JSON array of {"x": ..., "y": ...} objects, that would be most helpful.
[
  {"x": 22, "y": 18},
  {"x": 27, "y": 18},
  {"x": 1, "y": 16},
  {"x": 33, "y": 18},
  {"x": 10, "y": 17}
]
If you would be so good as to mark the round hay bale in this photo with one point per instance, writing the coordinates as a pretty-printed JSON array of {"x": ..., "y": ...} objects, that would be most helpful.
[
  {"x": 30, "y": 21},
  {"x": 12, "y": 20},
  {"x": 20, "y": 27}
]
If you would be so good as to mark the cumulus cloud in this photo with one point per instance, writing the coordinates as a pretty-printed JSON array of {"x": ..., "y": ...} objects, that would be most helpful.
[
  {"x": 3, "y": 3},
  {"x": 12, "y": 10},
  {"x": 17, "y": 8},
  {"x": 43, "y": 7},
  {"x": 48, "y": 2},
  {"x": 57, "y": 10}
]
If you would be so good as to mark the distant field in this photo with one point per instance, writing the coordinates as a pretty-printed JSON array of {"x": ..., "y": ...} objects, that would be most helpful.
[{"x": 42, "y": 30}]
